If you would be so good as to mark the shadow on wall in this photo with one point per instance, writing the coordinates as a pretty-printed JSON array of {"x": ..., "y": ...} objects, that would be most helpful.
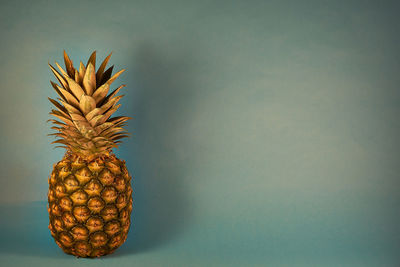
[{"x": 162, "y": 107}]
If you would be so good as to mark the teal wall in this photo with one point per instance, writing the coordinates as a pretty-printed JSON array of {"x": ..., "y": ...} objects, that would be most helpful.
[{"x": 265, "y": 132}]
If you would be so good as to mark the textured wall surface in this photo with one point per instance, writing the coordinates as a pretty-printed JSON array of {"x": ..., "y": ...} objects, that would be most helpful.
[{"x": 265, "y": 132}]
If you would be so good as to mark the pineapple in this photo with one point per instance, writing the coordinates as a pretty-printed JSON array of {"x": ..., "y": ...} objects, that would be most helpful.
[{"x": 90, "y": 196}]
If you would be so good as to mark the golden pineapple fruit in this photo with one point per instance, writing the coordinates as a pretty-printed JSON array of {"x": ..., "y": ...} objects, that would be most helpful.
[{"x": 90, "y": 194}]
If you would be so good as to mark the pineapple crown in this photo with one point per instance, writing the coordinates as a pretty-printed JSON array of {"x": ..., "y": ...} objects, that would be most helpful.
[{"x": 84, "y": 108}]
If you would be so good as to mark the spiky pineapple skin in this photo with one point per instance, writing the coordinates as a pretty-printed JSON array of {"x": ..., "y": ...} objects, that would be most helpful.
[{"x": 89, "y": 204}]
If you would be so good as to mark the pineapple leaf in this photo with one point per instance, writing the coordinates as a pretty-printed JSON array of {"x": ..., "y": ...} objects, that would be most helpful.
[
  {"x": 61, "y": 117},
  {"x": 82, "y": 71},
  {"x": 87, "y": 104},
  {"x": 101, "y": 92},
  {"x": 92, "y": 113},
  {"x": 77, "y": 117},
  {"x": 60, "y": 113},
  {"x": 110, "y": 104},
  {"x": 109, "y": 132},
  {"x": 54, "y": 85},
  {"x": 71, "y": 109},
  {"x": 118, "y": 119},
  {"x": 76, "y": 76},
  {"x": 69, "y": 65},
  {"x": 99, "y": 74},
  {"x": 75, "y": 88},
  {"x": 58, "y": 105},
  {"x": 92, "y": 60},
  {"x": 118, "y": 136},
  {"x": 63, "y": 72},
  {"x": 99, "y": 138},
  {"x": 84, "y": 128},
  {"x": 113, "y": 93},
  {"x": 115, "y": 76},
  {"x": 95, "y": 120},
  {"x": 102, "y": 127},
  {"x": 89, "y": 80},
  {"x": 109, "y": 113},
  {"x": 59, "y": 77},
  {"x": 56, "y": 122},
  {"x": 56, "y": 128},
  {"x": 60, "y": 147},
  {"x": 60, "y": 141},
  {"x": 69, "y": 97},
  {"x": 103, "y": 143},
  {"x": 107, "y": 75}
]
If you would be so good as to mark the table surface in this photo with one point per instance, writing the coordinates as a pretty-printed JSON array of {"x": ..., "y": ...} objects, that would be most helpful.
[{"x": 26, "y": 241}]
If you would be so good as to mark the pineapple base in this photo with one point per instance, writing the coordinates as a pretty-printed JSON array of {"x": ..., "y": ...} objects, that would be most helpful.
[{"x": 89, "y": 204}]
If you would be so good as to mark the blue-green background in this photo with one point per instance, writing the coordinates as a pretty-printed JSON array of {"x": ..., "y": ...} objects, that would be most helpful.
[{"x": 265, "y": 132}]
